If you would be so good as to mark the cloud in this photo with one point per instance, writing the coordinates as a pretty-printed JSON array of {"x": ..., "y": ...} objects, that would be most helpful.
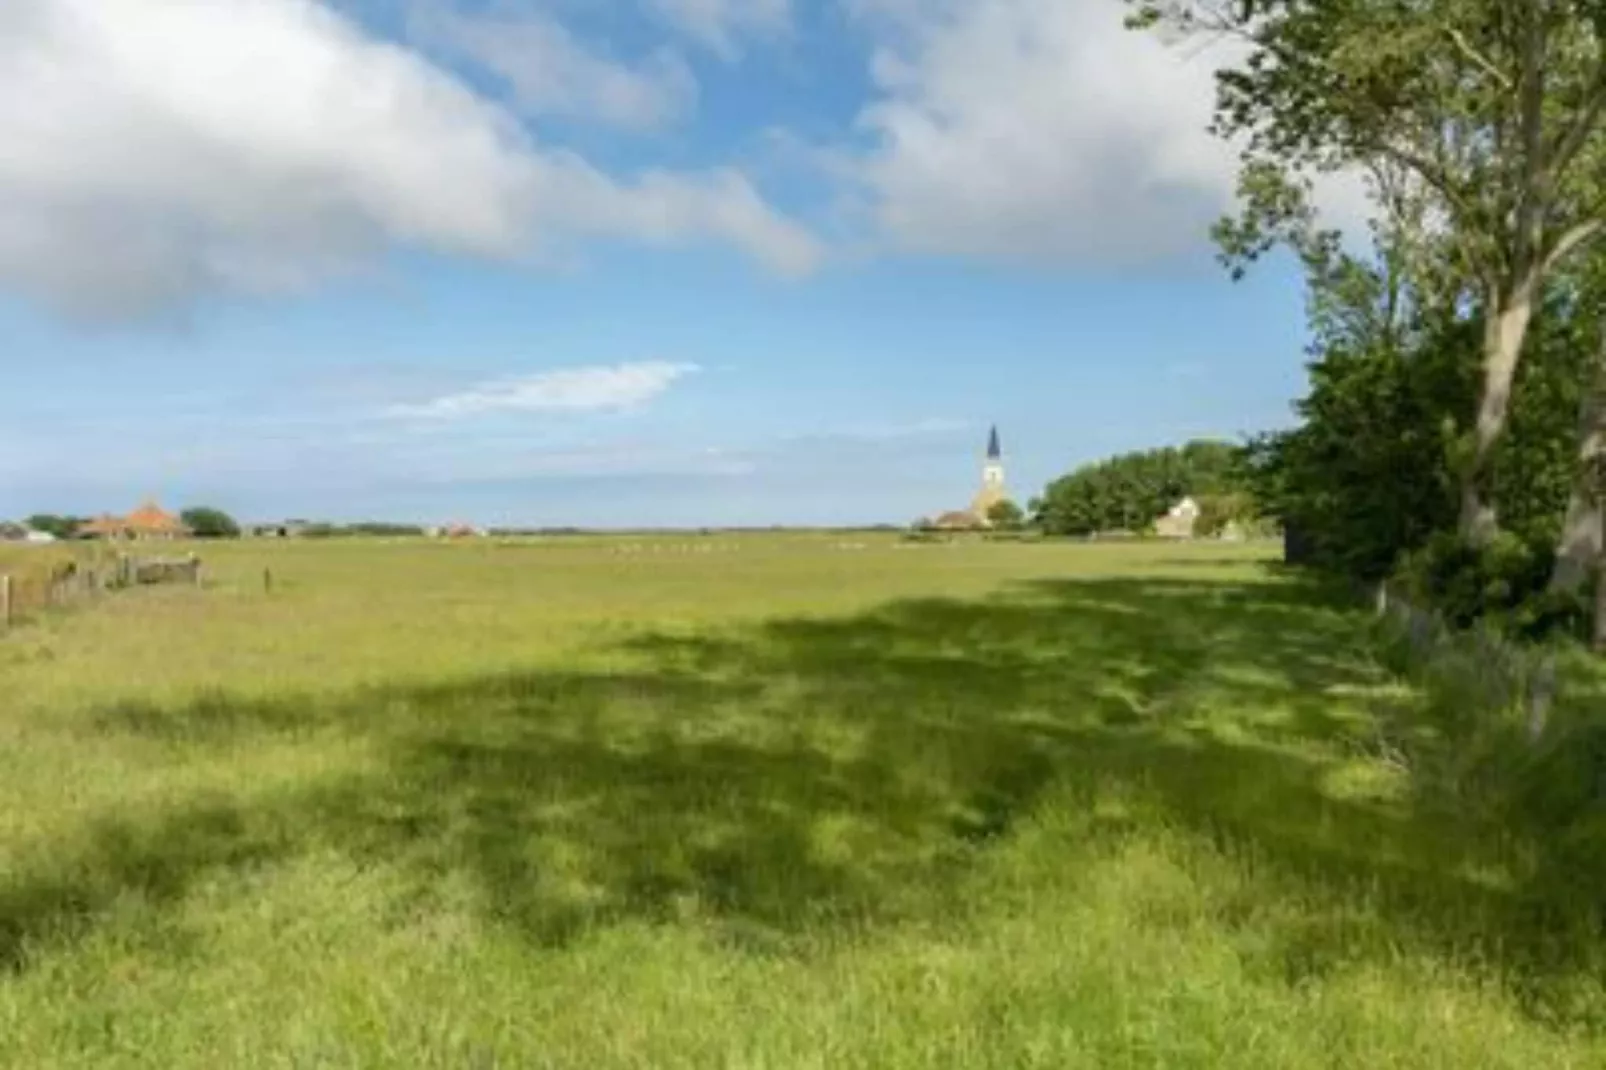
[
  {"x": 663, "y": 207},
  {"x": 1040, "y": 130},
  {"x": 590, "y": 389},
  {"x": 720, "y": 25},
  {"x": 156, "y": 151},
  {"x": 551, "y": 72}
]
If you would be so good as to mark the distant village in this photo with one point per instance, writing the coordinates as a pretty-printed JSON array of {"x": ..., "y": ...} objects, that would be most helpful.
[
  {"x": 990, "y": 509},
  {"x": 150, "y": 522}
]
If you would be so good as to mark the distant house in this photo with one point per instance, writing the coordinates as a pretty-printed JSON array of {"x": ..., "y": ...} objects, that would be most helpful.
[
  {"x": 150, "y": 522},
  {"x": 1179, "y": 520},
  {"x": 959, "y": 520},
  {"x": 285, "y": 529},
  {"x": 104, "y": 526}
]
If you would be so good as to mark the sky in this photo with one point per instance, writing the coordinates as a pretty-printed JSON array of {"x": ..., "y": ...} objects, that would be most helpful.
[{"x": 610, "y": 262}]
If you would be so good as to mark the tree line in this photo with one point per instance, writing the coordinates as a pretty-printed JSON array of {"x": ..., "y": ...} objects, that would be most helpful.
[
  {"x": 1128, "y": 492},
  {"x": 203, "y": 521},
  {"x": 206, "y": 522}
]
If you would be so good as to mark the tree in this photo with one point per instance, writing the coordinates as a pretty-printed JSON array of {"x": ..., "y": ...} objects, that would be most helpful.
[
  {"x": 1219, "y": 512},
  {"x": 62, "y": 527},
  {"x": 209, "y": 523},
  {"x": 1006, "y": 516},
  {"x": 1479, "y": 122},
  {"x": 1368, "y": 477},
  {"x": 1579, "y": 544},
  {"x": 1582, "y": 541}
]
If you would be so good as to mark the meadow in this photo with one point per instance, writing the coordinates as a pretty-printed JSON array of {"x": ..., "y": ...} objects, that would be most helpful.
[{"x": 766, "y": 801}]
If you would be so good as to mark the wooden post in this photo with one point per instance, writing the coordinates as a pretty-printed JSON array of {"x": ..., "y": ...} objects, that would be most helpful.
[
  {"x": 195, "y": 569},
  {"x": 5, "y": 602},
  {"x": 267, "y": 581}
]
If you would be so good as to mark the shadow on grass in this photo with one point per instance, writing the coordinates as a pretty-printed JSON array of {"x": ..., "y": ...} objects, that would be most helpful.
[{"x": 816, "y": 775}]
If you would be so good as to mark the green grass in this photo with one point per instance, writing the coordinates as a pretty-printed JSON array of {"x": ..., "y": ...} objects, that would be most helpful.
[{"x": 751, "y": 802}]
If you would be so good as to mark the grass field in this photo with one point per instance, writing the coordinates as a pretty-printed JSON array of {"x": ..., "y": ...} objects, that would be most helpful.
[{"x": 749, "y": 802}]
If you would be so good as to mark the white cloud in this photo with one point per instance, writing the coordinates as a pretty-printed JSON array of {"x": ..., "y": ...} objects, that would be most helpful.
[
  {"x": 1040, "y": 130},
  {"x": 721, "y": 24},
  {"x": 589, "y": 389},
  {"x": 158, "y": 150},
  {"x": 551, "y": 72}
]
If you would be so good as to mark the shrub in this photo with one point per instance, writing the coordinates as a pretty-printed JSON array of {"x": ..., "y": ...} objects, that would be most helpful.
[
  {"x": 1503, "y": 583},
  {"x": 209, "y": 523},
  {"x": 1007, "y": 516}
]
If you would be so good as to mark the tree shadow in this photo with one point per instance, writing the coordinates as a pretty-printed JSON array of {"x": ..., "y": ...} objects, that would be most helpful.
[{"x": 771, "y": 783}]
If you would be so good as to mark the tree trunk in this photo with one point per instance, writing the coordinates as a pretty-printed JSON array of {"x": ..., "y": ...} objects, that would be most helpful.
[
  {"x": 1505, "y": 327},
  {"x": 1581, "y": 544},
  {"x": 1599, "y": 643}
]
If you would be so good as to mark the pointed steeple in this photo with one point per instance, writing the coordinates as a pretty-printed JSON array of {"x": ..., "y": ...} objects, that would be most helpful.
[{"x": 994, "y": 451}]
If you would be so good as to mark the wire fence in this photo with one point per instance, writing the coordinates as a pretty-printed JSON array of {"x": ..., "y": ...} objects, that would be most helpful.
[{"x": 26, "y": 595}]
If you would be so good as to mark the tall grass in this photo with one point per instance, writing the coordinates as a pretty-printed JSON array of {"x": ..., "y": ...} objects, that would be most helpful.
[{"x": 781, "y": 803}]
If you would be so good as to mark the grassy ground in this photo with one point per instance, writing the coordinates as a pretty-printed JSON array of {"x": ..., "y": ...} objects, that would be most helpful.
[{"x": 763, "y": 802}]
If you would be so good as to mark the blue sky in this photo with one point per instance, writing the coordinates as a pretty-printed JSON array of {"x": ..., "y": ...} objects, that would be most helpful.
[{"x": 620, "y": 262}]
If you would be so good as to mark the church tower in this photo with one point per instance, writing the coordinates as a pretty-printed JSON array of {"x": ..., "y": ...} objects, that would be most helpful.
[{"x": 992, "y": 478}]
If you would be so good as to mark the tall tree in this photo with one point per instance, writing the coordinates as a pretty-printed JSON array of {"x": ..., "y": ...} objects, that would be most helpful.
[
  {"x": 1580, "y": 544},
  {"x": 1582, "y": 538},
  {"x": 1490, "y": 110},
  {"x": 208, "y": 523},
  {"x": 1369, "y": 476},
  {"x": 62, "y": 527}
]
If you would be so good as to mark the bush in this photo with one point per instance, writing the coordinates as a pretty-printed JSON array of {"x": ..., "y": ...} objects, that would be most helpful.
[
  {"x": 1007, "y": 516},
  {"x": 208, "y": 523},
  {"x": 1503, "y": 584}
]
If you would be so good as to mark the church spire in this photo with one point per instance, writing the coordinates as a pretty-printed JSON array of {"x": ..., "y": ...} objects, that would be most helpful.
[{"x": 994, "y": 452}]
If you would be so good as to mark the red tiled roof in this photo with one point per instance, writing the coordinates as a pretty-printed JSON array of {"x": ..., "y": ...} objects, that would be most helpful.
[{"x": 151, "y": 519}]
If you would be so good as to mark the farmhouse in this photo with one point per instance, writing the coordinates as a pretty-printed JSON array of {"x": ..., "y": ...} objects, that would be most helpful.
[
  {"x": 959, "y": 520},
  {"x": 150, "y": 522},
  {"x": 1179, "y": 520},
  {"x": 287, "y": 529}
]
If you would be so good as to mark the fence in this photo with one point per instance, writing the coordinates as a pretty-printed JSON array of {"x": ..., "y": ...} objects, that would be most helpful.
[
  {"x": 1500, "y": 673},
  {"x": 69, "y": 583}
]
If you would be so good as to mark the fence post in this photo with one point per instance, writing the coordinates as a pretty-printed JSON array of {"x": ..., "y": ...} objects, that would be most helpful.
[
  {"x": 1541, "y": 692},
  {"x": 267, "y": 581},
  {"x": 5, "y": 603}
]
